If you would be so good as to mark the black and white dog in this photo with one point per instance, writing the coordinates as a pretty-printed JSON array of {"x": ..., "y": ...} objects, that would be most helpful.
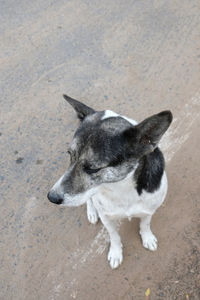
[{"x": 117, "y": 169}]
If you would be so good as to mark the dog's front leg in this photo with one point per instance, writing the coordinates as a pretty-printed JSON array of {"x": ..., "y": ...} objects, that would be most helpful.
[
  {"x": 91, "y": 212},
  {"x": 115, "y": 255},
  {"x": 149, "y": 240}
]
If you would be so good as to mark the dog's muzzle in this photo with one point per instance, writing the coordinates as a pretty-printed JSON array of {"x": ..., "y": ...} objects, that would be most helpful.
[{"x": 54, "y": 197}]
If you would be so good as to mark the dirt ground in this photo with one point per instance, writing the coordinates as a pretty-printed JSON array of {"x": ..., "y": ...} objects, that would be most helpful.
[{"x": 136, "y": 58}]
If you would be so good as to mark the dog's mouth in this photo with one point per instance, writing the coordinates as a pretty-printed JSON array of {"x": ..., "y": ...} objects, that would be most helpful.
[{"x": 73, "y": 201}]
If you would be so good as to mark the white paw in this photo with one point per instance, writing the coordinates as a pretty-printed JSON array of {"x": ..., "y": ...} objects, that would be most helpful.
[
  {"x": 92, "y": 214},
  {"x": 149, "y": 240},
  {"x": 115, "y": 257}
]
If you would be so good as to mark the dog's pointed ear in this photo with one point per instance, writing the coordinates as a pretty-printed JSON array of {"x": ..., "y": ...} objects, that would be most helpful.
[
  {"x": 81, "y": 109},
  {"x": 145, "y": 136}
]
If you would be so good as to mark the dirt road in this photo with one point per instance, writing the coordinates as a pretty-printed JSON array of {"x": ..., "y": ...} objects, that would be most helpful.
[{"x": 136, "y": 58}]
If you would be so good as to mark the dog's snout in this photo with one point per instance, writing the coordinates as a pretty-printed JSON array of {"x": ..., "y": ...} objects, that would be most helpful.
[{"x": 54, "y": 198}]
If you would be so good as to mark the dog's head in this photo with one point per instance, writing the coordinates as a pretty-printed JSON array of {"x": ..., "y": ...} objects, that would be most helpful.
[{"x": 106, "y": 148}]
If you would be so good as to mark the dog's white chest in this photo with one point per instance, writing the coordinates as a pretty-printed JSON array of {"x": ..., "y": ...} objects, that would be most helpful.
[{"x": 121, "y": 199}]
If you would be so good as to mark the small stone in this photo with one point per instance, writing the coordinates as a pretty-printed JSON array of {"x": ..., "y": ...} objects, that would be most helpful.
[
  {"x": 126, "y": 278},
  {"x": 19, "y": 160},
  {"x": 39, "y": 161}
]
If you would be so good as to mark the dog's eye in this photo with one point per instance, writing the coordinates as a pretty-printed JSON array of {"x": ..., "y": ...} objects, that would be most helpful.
[
  {"x": 89, "y": 170},
  {"x": 72, "y": 155},
  {"x": 69, "y": 152}
]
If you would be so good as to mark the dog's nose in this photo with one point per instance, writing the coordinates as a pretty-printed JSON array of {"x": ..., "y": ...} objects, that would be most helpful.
[{"x": 54, "y": 198}]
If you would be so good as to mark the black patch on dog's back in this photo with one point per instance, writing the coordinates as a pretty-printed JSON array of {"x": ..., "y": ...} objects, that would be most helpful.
[{"x": 149, "y": 173}]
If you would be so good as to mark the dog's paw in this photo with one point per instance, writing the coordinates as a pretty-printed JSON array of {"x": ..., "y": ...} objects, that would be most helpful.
[
  {"x": 115, "y": 257},
  {"x": 92, "y": 214},
  {"x": 149, "y": 240}
]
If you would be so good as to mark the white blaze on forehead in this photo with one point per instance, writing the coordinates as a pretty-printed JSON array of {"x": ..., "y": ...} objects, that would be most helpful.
[{"x": 111, "y": 114}]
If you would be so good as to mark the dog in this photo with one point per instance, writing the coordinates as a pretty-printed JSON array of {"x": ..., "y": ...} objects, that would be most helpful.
[{"x": 116, "y": 168}]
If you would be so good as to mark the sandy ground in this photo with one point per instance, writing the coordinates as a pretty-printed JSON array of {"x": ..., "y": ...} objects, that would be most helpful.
[{"x": 136, "y": 58}]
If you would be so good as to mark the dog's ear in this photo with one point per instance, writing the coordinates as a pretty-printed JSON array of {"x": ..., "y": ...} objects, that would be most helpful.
[
  {"x": 145, "y": 136},
  {"x": 81, "y": 109}
]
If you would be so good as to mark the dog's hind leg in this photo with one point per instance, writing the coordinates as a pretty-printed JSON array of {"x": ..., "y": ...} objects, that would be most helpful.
[
  {"x": 92, "y": 212},
  {"x": 115, "y": 255},
  {"x": 149, "y": 240}
]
